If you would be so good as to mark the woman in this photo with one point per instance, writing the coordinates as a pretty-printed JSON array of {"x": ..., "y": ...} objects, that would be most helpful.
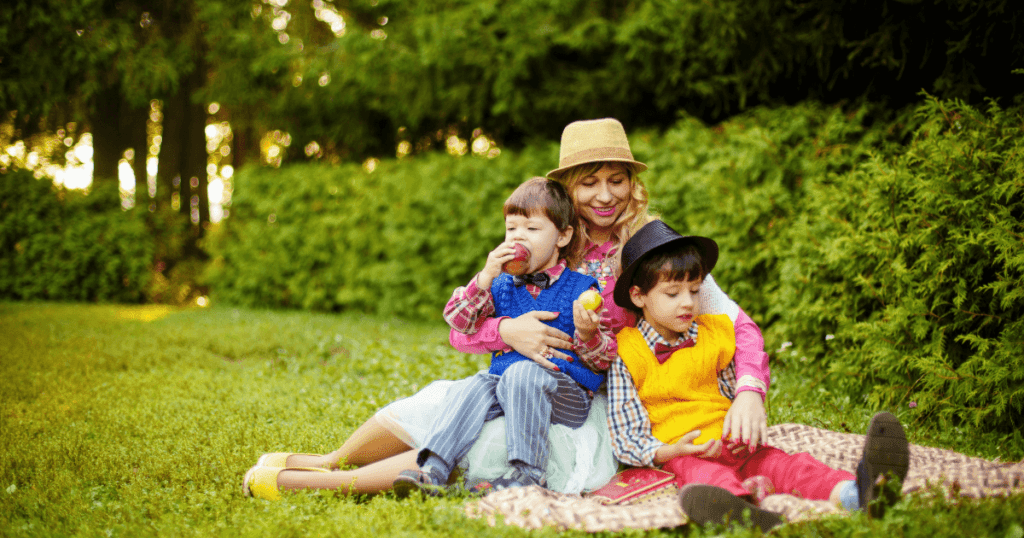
[{"x": 600, "y": 173}]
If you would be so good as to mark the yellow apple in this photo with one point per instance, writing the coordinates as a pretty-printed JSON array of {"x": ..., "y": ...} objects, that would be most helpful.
[{"x": 591, "y": 300}]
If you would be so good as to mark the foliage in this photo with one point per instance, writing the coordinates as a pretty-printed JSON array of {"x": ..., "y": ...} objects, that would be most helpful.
[
  {"x": 913, "y": 261},
  {"x": 393, "y": 241},
  {"x": 158, "y": 412},
  {"x": 742, "y": 181},
  {"x": 60, "y": 244},
  {"x": 403, "y": 71},
  {"x": 406, "y": 71}
]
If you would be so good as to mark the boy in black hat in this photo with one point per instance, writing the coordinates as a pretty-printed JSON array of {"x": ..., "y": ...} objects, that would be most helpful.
[{"x": 664, "y": 398}]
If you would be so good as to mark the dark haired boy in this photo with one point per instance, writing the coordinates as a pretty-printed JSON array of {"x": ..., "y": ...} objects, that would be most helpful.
[
  {"x": 665, "y": 407},
  {"x": 532, "y": 392}
]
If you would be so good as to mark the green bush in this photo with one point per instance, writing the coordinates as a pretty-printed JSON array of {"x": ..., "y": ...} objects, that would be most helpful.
[
  {"x": 913, "y": 263},
  {"x": 396, "y": 240},
  {"x": 744, "y": 181},
  {"x": 59, "y": 244}
]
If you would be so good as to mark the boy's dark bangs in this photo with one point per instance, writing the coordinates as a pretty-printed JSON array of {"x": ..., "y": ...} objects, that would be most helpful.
[
  {"x": 672, "y": 263},
  {"x": 683, "y": 266},
  {"x": 535, "y": 197},
  {"x": 527, "y": 201}
]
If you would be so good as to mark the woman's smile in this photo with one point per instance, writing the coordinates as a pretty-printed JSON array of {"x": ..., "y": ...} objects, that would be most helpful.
[{"x": 602, "y": 197}]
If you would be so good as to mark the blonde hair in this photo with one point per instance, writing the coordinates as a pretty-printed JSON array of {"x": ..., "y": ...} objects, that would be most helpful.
[{"x": 634, "y": 217}]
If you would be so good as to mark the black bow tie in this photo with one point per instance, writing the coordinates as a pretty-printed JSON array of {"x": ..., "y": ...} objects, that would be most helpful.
[{"x": 541, "y": 280}]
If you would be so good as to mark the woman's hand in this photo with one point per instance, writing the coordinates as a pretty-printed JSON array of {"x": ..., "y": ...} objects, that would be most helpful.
[
  {"x": 586, "y": 321},
  {"x": 535, "y": 340},
  {"x": 746, "y": 424},
  {"x": 504, "y": 252},
  {"x": 685, "y": 447}
]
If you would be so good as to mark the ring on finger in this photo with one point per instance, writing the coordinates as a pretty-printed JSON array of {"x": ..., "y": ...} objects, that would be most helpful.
[{"x": 546, "y": 353}]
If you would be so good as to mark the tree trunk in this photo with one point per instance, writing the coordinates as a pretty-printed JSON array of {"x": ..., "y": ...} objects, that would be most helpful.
[
  {"x": 107, "y": 142},
  {"x": 138, "y": 119},
  {"x": 169, "y": 166},
  {"x": 244, "y": 146},
  {"x": 194, "y": 156},
  {"x": 195, "y": 200}
]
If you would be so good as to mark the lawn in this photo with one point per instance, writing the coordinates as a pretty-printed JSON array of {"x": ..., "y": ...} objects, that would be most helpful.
[{"x": 129, "y": 421}]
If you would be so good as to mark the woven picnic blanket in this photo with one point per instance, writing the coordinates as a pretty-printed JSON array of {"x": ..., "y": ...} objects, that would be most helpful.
[{"x": 954, "y": 473}]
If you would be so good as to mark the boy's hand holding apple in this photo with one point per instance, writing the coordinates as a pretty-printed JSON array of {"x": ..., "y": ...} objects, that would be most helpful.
[
  {"x": 586, "y": 314},
  {"x": 498, "y": 258}
]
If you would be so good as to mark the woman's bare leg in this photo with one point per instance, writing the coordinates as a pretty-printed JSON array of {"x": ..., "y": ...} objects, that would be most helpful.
[
  {"x": 376, "y": 477},
  {"x": 371, "y": 442}
]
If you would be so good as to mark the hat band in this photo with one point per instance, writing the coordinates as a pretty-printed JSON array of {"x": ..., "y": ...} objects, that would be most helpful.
[{"x": 595, "y": 154}]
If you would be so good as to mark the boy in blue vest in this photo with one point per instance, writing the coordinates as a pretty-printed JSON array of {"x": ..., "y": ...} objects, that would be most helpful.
[{"x": 531, "y": 392}]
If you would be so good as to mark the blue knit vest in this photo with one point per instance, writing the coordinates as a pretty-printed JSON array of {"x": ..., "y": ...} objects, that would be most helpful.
[{"x": 513, "y": 301}]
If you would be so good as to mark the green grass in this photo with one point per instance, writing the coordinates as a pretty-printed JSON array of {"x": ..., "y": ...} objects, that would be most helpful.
[{"x": 129, "y": 421}]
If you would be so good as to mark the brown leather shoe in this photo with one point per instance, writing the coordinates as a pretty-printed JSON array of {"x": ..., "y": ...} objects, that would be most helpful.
[{"x": 703, "y": 503}]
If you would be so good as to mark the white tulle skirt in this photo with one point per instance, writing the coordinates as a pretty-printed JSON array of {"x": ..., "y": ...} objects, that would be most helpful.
[{"x": 579, "y": 460}]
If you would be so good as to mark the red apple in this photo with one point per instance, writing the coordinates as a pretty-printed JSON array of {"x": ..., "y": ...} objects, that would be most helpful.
[{"x": 519, "y": 265}]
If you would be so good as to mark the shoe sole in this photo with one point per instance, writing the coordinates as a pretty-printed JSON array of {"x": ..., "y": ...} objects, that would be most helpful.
[
  {"x": 404, "y": 486},
  {"x": 887, "y": 453},
  {"x": 703, "y": 503}
]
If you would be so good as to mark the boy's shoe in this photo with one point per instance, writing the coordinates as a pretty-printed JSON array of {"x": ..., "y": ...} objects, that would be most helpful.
[
  {"x": 417, "y": 480},
  {"x": 703, "y": 503},
  {"x": 886, "y": 457},
  {"x": 516, "y": 478}
]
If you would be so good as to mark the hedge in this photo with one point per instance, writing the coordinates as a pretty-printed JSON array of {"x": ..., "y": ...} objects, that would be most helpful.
[
  {"x": 913, "y": 262},
  {"x": 64, "y": 245},
  {"x": 394, "y": 241}
]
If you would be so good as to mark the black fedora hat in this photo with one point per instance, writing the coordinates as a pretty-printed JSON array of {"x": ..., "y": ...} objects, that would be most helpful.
[{"x": 655, "y": 235}]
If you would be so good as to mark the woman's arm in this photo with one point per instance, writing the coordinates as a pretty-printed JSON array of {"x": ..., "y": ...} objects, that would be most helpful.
[
  {"x": 525, "y": 334},
  {"x": 746, "y": 422},
  {"x": 752, "y": 371},
  {"x": 486, "y": 339}
]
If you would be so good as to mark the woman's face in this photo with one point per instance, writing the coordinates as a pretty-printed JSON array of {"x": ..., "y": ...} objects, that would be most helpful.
[{"x": 601, "y": 197}]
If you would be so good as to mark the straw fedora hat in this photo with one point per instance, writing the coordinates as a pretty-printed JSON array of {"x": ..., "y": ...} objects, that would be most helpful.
[
  {"x": 652, "y": 236},
  {"x": 591, "y": 141}
]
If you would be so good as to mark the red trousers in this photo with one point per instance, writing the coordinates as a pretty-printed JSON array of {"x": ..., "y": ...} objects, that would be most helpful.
[{"x": 796, "y": 474}]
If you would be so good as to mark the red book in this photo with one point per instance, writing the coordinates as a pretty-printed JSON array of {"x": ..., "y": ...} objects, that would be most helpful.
[{"x": 636, "y": 485}]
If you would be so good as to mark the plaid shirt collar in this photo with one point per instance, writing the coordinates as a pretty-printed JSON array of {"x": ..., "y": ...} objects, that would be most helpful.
[
  {"x": 556, "y": 270},
  {"x": 652, "y": 337},
  {"x": 553, "y": 272}
]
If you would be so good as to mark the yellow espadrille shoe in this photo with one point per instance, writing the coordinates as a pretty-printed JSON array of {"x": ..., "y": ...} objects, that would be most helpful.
[
  {"x": 278, "y": 459},
  {"x": 261, "y": 481}
]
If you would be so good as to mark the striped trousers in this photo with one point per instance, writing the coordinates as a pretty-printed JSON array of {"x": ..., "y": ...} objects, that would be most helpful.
[{"x": 530, "y": 397}]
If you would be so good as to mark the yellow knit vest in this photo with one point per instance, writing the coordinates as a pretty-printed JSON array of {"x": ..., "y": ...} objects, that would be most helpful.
[{"x": 682, "y": 394}]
